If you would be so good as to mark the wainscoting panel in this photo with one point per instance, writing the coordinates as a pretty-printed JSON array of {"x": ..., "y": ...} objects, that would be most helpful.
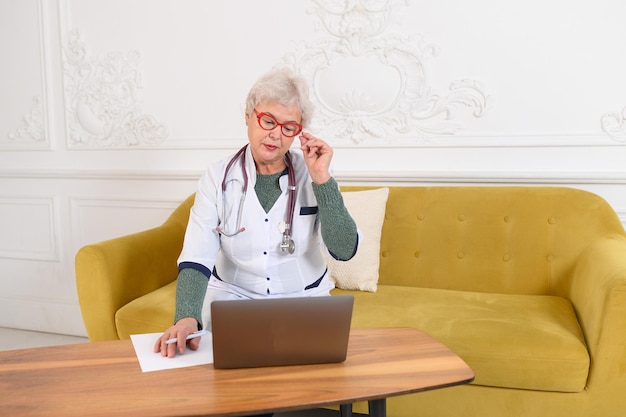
[
  {"x": 98, "y": 220},
  {"x": 24, "y": 105},
  {"x": 40, "y": 235},
  {"x": 28, "y": 229}
]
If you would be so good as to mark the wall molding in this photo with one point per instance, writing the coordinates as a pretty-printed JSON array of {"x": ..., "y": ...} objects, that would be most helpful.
[
  {"x": 115, "y": 175},
  {"x": 103, "y": 99},
  {"x": 371, "y": 84},
  {"x": 614, "y": 125},
  {"x": 33, "y": 133},
  {"x": 109, "y": 211},
  {"x": 459, "y": 140},
  {"x": 373, "y": 177},
  {"x": 32, "y": 130},
  {"x": 409, "y": 112},
  {"x": 46, "y": 314},
  {"x": 494, "y": 140},
  {"x": 478, "y": 177},
  {"x": 44, "y": 243}
]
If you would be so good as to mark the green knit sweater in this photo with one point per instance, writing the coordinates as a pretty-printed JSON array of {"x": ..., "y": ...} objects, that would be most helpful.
[{"x": 338, "y": 229}]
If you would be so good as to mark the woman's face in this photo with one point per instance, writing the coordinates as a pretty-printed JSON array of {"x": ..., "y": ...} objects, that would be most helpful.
[{"x": 270, "y": 146}]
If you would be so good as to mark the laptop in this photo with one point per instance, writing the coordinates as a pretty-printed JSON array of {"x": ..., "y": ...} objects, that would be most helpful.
[{"x": 280, "y": 331}]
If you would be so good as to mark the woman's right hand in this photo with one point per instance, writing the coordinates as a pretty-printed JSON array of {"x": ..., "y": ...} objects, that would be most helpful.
[{"x": 183, "y": 328}]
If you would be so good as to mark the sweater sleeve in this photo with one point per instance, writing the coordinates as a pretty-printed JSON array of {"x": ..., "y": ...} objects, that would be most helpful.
[
  {"x": 190, "y": 291},
  {"x": 339, "y": 230}
]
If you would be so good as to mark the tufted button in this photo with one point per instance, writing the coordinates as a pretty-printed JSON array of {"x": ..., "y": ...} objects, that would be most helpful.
[
  {"x": 383, "y": 254},
  {"x": 506, "y": 257},
  {"x": 507, "y": 219},
  {"x": 460, "y": 255},
  {"x": 416, "y": 254},
  {"x": 551, "y": 220},
  {"x": 420, "y": 216},
  {"x": 461, "y": 217},
  {"x": 550, "y": 257}
]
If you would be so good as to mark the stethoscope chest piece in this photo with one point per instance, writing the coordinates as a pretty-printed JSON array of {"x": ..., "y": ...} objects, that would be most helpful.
[{"x": 287, "y": 244}]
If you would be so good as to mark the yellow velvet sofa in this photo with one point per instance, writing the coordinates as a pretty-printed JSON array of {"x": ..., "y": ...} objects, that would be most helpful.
[{"x": 526, "y": 284}]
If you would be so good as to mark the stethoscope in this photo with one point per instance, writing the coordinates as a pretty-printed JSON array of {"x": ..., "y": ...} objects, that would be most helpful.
[{"x": 286, "y": 244}]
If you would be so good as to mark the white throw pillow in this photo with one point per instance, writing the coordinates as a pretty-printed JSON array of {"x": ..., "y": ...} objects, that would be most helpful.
[{"x": 361, "y": 272}]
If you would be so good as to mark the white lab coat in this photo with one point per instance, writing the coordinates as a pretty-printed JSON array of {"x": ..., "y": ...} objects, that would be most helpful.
[{"x": 251, "y": 264}]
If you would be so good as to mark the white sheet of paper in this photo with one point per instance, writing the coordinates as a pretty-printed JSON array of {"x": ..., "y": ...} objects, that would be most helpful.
[{"x": 150, "y": 361}]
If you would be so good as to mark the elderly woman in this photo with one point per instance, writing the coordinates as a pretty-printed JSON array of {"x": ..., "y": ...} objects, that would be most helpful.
[{"x": 260, "y": 217}]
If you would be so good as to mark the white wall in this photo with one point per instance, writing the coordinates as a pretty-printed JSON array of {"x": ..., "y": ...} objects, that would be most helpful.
[{"x": 110, "y": 110}]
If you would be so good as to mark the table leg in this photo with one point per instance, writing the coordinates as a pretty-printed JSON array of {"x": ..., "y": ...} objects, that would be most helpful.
[
  {"x": 345, "y": 410},
  {"x": 377, "y": 408}
]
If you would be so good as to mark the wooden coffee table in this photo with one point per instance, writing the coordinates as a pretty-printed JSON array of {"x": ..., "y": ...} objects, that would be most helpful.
[{"x": 104, "y": 379}]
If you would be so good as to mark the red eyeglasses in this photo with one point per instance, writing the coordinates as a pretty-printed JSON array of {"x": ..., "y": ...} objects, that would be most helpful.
[{"x": 268, "y": 122}]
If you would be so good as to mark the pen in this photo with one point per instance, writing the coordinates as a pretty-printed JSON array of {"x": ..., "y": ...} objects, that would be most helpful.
[{"x": 191, "y": 336}]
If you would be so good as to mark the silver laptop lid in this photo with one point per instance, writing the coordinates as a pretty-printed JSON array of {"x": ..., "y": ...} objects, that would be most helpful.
[{"x": 280, "y": 331}]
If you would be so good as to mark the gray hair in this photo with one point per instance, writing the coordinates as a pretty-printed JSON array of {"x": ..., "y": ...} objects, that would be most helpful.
[{"x": 281, "y": 85}]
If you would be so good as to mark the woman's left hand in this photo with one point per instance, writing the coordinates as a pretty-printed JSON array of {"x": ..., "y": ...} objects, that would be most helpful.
[{"x": 317, "y": 155}]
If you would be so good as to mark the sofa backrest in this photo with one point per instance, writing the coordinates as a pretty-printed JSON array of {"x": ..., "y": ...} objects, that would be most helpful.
[{"x": 522, "y": 240}]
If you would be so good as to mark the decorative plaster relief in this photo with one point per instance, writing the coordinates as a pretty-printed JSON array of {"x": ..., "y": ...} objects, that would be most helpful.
[
  {"x": 32, "y": 128},
  {"x": 103, "y": 96},
  {"x": 614, "y": 125},
  {"x": 371, "y": 83}
]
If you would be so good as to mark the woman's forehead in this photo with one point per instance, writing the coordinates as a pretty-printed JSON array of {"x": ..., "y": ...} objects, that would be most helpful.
[{"x": 291, "y": 112}]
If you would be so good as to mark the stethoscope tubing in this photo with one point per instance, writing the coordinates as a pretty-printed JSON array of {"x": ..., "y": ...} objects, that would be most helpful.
[{"x": 287, "y": 243}]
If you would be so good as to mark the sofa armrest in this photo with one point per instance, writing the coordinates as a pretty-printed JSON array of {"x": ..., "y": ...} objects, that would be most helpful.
[
  {"x": 598, "y": 292},
  {"x": 112, "y": 273}
]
